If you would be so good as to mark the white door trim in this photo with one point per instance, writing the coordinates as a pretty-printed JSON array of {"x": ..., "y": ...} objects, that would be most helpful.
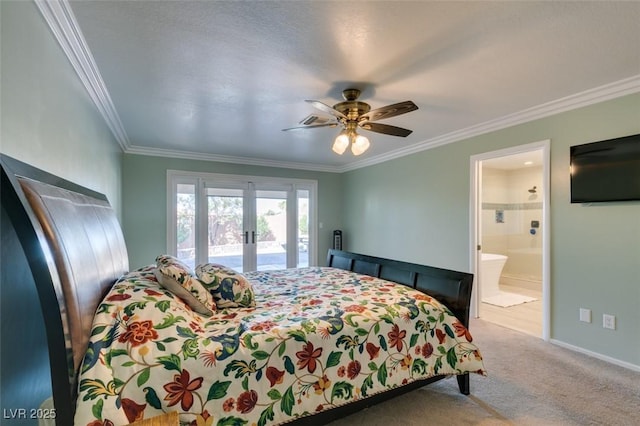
[{"x": 474, "y": 220}]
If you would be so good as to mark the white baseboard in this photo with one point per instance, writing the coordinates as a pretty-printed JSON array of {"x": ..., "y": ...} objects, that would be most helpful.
[{"x": 606, "y": 358}]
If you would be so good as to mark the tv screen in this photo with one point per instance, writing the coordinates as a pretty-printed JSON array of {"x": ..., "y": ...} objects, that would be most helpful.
[{"x": 608, "y": 170}]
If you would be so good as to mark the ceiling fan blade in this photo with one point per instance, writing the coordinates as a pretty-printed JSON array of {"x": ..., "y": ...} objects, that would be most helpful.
[
  {"x": 386, "y": 129},
  {"x": 326, "y": 108},
  {"x": 389, "y": 111},
  {"x": 314, "y": 126}
]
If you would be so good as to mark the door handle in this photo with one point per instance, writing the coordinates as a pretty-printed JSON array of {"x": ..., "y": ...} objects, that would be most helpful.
[
  {"x": 253, "y": 237},
  {"x": 246, "y": 237}
]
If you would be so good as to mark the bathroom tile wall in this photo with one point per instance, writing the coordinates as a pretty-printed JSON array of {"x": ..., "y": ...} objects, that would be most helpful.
[{"x": 508, "y": 209}]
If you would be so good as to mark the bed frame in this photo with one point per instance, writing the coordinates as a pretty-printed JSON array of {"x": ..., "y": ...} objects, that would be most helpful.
[{"x": 75, "y": 251}]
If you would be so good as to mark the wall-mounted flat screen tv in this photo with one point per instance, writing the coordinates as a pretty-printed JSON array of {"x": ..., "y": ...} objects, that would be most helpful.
[{"x": 607, "y": 170}]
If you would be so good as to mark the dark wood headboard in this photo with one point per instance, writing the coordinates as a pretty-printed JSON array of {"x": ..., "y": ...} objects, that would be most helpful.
[
  {"x": 449, "y": 287},
  {"x": 76, "y": 251}
]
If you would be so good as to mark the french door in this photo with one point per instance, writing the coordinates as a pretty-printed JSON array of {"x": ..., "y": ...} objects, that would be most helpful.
[{"x": 246, "y": 223}]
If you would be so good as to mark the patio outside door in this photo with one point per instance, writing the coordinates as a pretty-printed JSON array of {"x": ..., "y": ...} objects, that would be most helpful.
[{"x": 247, "y": 225}]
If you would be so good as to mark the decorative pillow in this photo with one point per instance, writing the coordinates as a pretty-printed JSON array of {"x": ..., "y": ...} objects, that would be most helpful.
[
  {"x": 175, "y": 276},
  {"x": 168, "y": 260},
  {"x": 230, "y": 289}
]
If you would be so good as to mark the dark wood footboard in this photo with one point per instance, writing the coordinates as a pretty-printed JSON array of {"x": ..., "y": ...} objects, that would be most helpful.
[{"x": 451, "y": 288}]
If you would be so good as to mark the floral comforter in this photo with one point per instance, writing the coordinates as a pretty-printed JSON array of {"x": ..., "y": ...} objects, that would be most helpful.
[{"x": 318, "y": 338}]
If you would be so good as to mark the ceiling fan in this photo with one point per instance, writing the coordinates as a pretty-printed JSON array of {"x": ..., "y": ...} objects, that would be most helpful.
[{"x": 352, "y": 114}]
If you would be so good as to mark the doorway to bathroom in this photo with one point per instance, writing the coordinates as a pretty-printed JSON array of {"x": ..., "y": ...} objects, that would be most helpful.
[{"x": 510, "y": 234}]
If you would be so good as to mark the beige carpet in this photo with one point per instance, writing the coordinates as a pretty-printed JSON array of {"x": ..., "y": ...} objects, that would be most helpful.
[{"x": 530, "y": 382}]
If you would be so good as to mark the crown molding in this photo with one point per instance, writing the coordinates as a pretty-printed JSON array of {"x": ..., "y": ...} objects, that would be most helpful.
[
  {"x": 65, "y": 28},
  {"x": 190, "y": 155},
  {"x": 62, "y": 22},
  {"x": 603, "y": 93}
]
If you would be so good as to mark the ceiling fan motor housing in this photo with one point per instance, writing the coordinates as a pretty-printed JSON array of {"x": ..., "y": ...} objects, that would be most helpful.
[{"x": 351, "y": 107}]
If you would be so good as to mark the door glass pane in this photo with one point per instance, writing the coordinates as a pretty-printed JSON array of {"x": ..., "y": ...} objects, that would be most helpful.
[
  {"x": 186, "y": 223},
  {"x": 303, "y": 228},
  {"x": 271, "y": 229},
  {"x": 225, "y": 236}
]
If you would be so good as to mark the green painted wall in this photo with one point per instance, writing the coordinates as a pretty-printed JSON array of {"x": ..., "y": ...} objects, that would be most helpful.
[
  {"x": 144, "y": 197},
  {"x": 47, "y": 118},
  {"x": 416, "y": 208}
]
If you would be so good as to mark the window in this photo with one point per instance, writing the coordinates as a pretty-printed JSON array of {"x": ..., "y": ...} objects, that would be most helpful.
[{"x": 247, "y": 223}]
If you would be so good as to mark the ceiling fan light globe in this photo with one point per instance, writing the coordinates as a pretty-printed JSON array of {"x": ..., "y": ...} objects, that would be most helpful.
[
  {"x": 360, "y": 145},
  {"x": 341, "y": 143}
]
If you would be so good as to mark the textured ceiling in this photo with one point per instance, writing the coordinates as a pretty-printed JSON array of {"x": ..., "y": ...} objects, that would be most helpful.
[{"x": 221, "y": 79}]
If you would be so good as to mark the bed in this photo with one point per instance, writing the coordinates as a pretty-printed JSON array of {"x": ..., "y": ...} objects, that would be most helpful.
[{"x": 315, "y": 344}]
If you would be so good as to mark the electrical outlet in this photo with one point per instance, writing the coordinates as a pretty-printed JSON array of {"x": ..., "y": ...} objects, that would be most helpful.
[
  {"x": 585, "y": 315},
  {"x": 609, "y": 321}
]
